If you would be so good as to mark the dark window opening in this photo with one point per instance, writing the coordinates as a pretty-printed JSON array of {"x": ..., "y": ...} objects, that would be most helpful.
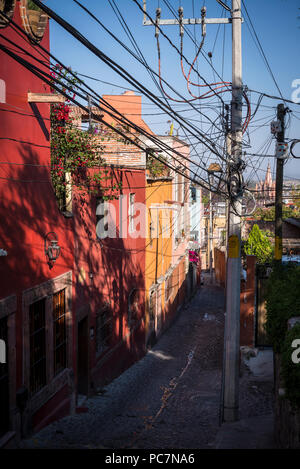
[
  {"x": 193, "y": 194},
  {"x": 59, "y": 332}
]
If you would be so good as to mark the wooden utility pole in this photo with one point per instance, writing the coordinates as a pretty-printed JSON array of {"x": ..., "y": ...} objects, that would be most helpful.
[{"x": 281, "y": 111}]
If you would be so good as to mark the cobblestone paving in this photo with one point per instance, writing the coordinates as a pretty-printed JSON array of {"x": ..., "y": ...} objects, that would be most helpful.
[{"x": 171, "y": 398}]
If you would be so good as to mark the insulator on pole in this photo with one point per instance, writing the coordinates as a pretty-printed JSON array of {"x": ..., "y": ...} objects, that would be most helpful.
[
  {"x": 158, "y": 13},
  {"x": 180, "y": 14}
]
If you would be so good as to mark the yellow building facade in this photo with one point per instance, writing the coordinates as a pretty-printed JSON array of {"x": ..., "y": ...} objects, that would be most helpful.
[{"x": 166, "y": 256}]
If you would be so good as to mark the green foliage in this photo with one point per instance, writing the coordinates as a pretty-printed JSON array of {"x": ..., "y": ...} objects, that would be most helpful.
[
  {"x": 291, "y": 371},
  {"x": 157, "y": 168},
  {"x": 269, "y": 234},
  {"x": 259, "y": 245},
  {"x": 295, "y": 193},
  {"x": 282, "y": 301},
  {"x": 76, "y": 154},
  {"x": 32, "y": 6},
  {"x": 205, "y": 199},
  {"x": 268, "y": 214}
]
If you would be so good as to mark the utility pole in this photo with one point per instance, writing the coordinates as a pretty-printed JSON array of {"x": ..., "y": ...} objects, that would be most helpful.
[
  {"x": 230, "y": 410},
  {"x": 230, "y": 387},
  {"x": 210, "y": 232},
  {"x": 281, "y": 111}
]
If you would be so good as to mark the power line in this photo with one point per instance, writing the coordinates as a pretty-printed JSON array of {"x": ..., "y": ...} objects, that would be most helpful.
[
  {"x": 37, "y": 72},
  {"x": 262, "y": 51},
  {"x": 114, "y": 110},
  {"x": 202, "y": 142},
  {"x": 137, "y": 58},
  {"x": 190, "y": 36},
  {"x": 120, "y": 70},
  {"x": 173, "y": 45}
]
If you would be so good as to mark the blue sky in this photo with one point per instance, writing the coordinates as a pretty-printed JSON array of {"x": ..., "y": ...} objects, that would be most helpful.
[{"x": 276, "y": 25}]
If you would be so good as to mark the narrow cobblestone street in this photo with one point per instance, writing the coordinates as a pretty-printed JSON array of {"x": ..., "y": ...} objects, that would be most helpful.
[{"x": 171, "y": 398}]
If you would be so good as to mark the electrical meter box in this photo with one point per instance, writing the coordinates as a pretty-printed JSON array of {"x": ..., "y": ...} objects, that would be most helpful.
[
  {"x": 275, "y": 127},
  {"x": 281, "y": 150}
]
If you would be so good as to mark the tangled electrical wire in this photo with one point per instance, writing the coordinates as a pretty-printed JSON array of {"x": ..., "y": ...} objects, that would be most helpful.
[{"x": 295, "y": 142}]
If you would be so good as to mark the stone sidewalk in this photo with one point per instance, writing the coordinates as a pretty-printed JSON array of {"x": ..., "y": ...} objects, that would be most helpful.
[
  {"x": 253, "y": 432},
  {"x": 170, "y": 398}
]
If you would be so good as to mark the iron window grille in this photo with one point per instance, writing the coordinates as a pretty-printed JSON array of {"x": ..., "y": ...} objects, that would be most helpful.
[{"x": 59, "y": 331}]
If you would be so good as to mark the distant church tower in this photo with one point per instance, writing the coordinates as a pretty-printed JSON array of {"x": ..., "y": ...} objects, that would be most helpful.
[{"x": 265, "y": 189}]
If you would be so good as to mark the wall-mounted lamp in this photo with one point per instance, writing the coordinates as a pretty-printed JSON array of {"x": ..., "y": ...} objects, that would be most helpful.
[{"x": 52, "y": 249}]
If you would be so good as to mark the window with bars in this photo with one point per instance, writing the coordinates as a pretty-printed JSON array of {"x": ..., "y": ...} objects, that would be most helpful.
[
  {"x": 4, "y": 382},
  {"x": 59, "y": 331},
  {"x": 37, "y": 323},
  {"x": 103, "y": 330},
  {"x": 193, "y": 194}
]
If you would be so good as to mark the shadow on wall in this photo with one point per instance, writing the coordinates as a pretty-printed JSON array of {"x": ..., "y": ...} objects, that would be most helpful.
[
  {"x": 117, "y": 282},
  {"x": 28, "y": 211}
]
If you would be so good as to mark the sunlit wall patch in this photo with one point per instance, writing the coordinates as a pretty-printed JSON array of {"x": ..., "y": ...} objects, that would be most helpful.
[
  {"x": 2, "y": 91},
  {"x": 34, "y": 19}
]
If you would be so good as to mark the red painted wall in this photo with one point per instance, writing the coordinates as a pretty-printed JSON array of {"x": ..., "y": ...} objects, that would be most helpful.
[
  {"x": 28, "y": 211},
  {"x": 28, "y": 208},
  {"x": 117, "y": 266}
]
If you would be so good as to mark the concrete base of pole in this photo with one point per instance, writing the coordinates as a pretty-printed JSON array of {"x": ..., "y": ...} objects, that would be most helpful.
[{"x": 230, "y": 415}]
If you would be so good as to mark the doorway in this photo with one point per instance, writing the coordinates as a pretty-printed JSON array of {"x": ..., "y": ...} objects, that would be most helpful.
[{"x": 83, "y": 357}]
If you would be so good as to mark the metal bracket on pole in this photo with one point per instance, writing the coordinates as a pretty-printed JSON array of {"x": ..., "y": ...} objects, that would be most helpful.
[
  {"x": 180, "y": 22},
  {"x": 180, "y": 14},
  {"x": 203, "y": 24},
  {"x": 157, "y": 21},
  {"x": 191, "y": 21}
]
